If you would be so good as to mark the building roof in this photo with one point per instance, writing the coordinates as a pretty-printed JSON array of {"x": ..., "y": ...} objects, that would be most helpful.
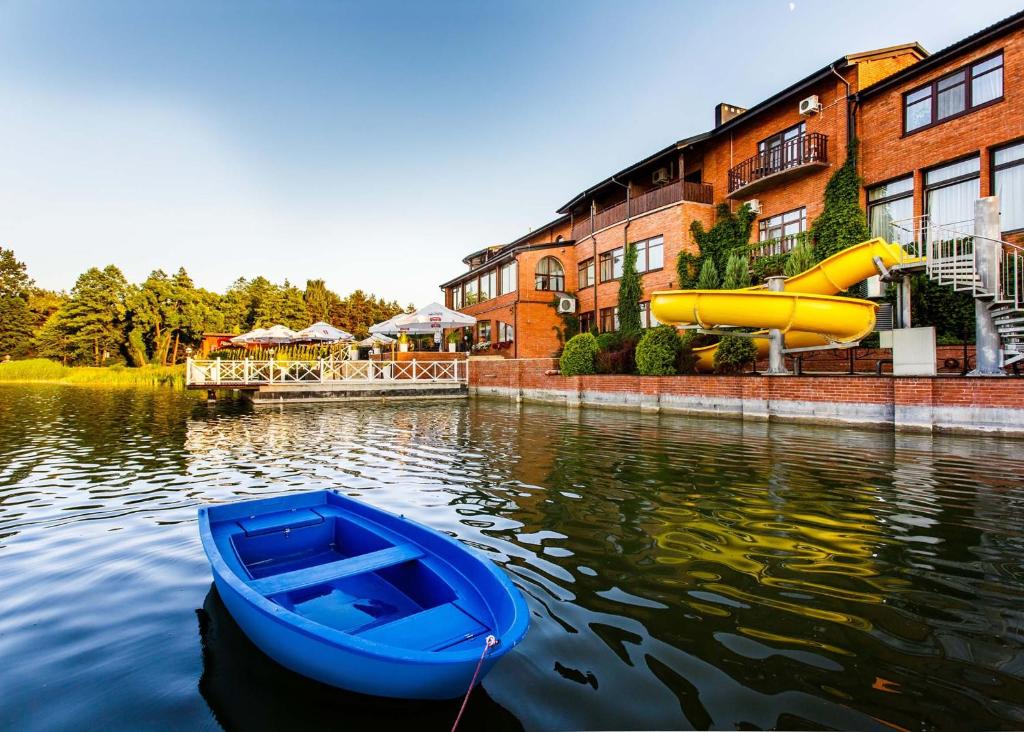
[
  {"x": 504, "y": 251},
  {"x": 938, "y": 58},
  {"x": 807, "y": 81}
]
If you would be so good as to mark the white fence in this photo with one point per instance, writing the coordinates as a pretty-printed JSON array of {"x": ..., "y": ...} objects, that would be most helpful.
[{"x": 246, "y": 372}]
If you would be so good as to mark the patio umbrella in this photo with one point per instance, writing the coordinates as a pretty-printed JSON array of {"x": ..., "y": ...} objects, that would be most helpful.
[
  {"x": 253, "y": 336},
  {"x": 377, "y": 339},
  {"x": 433, "y": 317},
  {"x": 276, "y": 334},
  {"x": 323, "y": 333},
  {"x": 389, "y": 326}
]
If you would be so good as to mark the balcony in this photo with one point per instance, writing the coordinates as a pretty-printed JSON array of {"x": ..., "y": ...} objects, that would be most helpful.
[
  {"x": 793, "y": 158},
  {"x": 659, "y": 197}
]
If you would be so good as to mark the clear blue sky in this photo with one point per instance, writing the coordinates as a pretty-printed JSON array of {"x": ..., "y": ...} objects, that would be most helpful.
[{"x": 372, "y": 144}]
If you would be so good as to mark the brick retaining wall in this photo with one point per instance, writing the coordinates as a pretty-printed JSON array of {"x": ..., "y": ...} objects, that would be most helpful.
[{"x": 943, "y": 403}]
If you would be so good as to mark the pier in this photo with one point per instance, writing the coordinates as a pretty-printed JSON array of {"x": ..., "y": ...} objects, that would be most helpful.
[{"x": 276, "y": 382}]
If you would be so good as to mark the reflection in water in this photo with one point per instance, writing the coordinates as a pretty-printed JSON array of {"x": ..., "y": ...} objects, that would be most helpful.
[
  {"x": 680, "y": 572},
  {"x": 247, "y": 690}
]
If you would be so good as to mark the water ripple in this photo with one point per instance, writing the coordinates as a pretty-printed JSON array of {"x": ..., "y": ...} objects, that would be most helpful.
[{"x": 712, "y": 573}]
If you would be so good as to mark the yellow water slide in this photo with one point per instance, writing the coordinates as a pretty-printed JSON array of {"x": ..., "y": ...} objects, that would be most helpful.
[{"x": 806, "y": 311}]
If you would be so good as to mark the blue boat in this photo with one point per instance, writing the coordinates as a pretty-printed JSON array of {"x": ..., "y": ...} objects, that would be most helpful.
[{"x": 359, "y": 598}]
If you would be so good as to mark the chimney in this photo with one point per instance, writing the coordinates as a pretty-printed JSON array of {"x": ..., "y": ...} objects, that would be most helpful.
[{"x": 725, "y": 112}]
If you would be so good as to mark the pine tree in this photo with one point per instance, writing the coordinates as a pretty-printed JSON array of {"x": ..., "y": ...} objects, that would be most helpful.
[
  {"x": 15, "y": 316},
  {"x": 708, "y": 277},
  {"x": 95, "y": 315},
  {"x": 737, "y": 273},
  {"x": 800, "y": 259},
  {"x": 630, "y": 292}
]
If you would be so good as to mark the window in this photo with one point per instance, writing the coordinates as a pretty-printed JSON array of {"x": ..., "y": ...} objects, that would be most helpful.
[
  {"x": 783, "y": 228},
  {"x": 505, "y": 332},
  {"x": 488, "y": 285},
  {"x": 1008, "y": 184},
  {"x": 471, "y": 296},
  {"x": 483, "y": 330},
  {"x": 954, "y": 94},
  {"x": 508, "y": 278},
  {"x": 586, "y": 273},
  {"x": 892, "y": 202},
  {"x": 650, "y": 254},
  {"x": 611, "y": 265},
  {"x": 783, "y": 149},
  {"x": 647, "y": 319},
  {"x": 951, "y": 190},
  {"x": 456, "y": 293},
  {"x": 609, "y": 319},
  {"x": 587, "y": 321},
  {"x": 550, "y": 275}
]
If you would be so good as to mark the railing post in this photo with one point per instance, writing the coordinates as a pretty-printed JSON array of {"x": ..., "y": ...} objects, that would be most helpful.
[
  {"x": 216, "y": 371},
  {"x": 320, "y": 362},
  {"x": 414, "y": 369},
  {"x": 188, "y": 370},
  {"x": 987, "y": 253}
]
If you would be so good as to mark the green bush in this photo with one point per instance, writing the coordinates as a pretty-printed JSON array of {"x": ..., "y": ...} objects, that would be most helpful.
[
  {"x": 737, "y": 273},
  {"x": 734, "y": 352},
  {"x": 658, "y": 351},
  {"x": 578, "y": 355},
  {"x": 610, "y": 341},
  {"x": 708, "y": 278},
  {"x": 800, "y": 259}
]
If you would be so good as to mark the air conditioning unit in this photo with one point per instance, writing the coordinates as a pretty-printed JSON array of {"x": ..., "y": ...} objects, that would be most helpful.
[
  {"x": 810, "y": 105},
  {"x": 566, "y": 304},
  {"x": 754, "y": 205},
  {"x": 660, "y": 176}
]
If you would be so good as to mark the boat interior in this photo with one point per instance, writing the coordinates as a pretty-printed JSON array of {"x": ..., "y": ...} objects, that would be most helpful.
[{"x": 349, "y": 573}]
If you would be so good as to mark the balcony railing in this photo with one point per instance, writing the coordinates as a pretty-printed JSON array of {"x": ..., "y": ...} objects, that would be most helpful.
[
  {"x": 666, "y": 195},
  {"x": 793, "y": 156}
]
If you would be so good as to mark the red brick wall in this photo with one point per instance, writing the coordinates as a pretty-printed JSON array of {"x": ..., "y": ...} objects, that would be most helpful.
[
  {"x": 886, "y": 153},
  {"x": 946, "y": 391}
]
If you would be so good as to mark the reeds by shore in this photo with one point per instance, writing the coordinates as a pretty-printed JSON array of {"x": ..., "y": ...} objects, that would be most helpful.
[{"x": 41, "y": 370}]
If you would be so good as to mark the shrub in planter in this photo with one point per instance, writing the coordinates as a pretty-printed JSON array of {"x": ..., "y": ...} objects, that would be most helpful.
[
  {"x": 578, "y": 355},
  {"x": 734, "y": 353},
  {"x": 658, "y": 351}
]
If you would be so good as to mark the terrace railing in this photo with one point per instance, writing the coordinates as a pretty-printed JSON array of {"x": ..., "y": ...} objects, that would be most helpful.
[
  {"x": 667, "y": 195},
  {"x": 801, "y": 151},
  {"x": 246, "y": 372}
]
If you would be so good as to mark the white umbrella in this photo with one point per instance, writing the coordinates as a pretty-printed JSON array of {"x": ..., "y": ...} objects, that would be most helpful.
[
  {"x": 377, "y": 339},
  {"x": 390, "y": 326},
  {"x": 251, "y": 337},
  {"x": 433, "y": 317},
  {"x": 324, "y": 332},
  {"x": 276, "y": 334}
]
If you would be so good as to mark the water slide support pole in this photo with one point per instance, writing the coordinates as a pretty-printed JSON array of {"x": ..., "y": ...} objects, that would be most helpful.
[
  {"x": 987, "y": 256},
  {"x": 776, "y": 362}
]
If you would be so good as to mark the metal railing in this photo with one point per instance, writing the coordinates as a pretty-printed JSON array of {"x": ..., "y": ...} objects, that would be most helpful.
[
  {"x": 666, "y": 195},
  {"x": 246, "y": 372},
  {"x": 794, "y": 153}
]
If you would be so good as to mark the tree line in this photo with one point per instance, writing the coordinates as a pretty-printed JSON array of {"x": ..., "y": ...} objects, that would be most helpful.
[{"x": 105, "y": 319}]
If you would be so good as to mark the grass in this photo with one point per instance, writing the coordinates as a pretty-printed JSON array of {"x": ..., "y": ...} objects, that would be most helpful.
[{"x": 42, "y": 370}]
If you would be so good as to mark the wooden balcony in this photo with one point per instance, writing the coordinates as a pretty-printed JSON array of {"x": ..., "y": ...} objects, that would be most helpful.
[
  {"x": 664, "y": 196},
  {"x": 791, "y": 159}
]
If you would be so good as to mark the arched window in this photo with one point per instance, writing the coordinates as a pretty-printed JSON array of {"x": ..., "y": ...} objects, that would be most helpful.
[{"x": 550, "y": 275}]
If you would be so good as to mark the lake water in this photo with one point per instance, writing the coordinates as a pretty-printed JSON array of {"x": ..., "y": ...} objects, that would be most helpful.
[{"x": 680, "y": 572}]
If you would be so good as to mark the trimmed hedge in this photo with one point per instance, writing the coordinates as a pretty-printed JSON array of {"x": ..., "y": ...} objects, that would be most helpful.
[
  {"x": 658, "y": 351},
  {"x": 578, "y": 355},
  {"x": 733, "y": 353}
]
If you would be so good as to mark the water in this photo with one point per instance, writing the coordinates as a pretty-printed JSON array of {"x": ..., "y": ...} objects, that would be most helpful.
[{"x": 680, "y": 572}]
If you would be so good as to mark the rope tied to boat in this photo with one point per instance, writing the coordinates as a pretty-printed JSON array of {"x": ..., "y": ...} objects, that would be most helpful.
[{"x": 488, "y": 645}]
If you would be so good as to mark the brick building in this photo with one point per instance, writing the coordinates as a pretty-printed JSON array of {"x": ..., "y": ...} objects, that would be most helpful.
[{"x": 936, "y": 132}]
